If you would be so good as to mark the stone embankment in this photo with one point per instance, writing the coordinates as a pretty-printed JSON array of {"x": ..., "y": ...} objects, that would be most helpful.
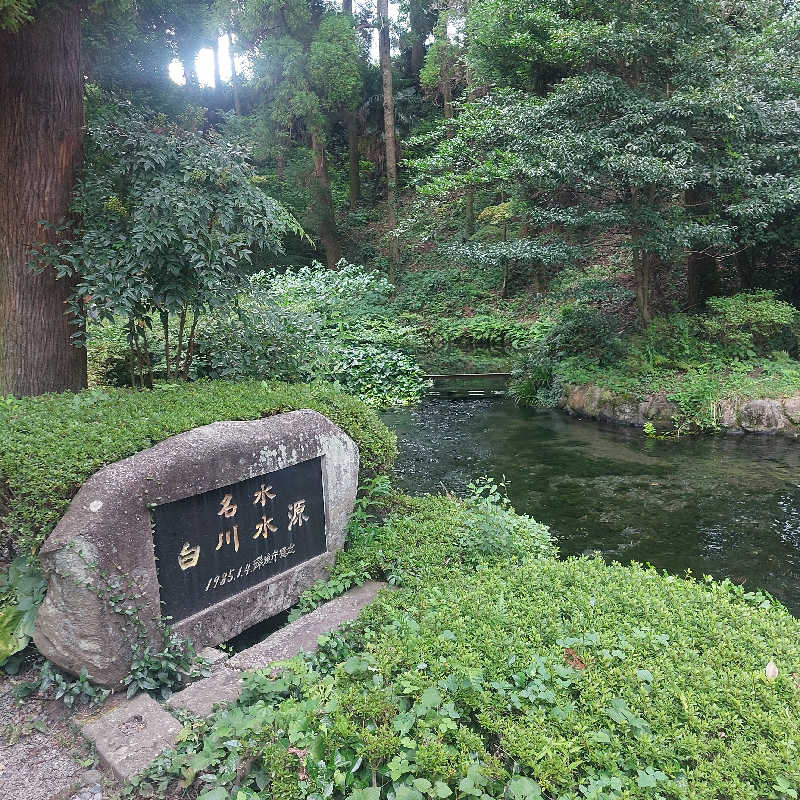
[{"x": 763, "y": 415}]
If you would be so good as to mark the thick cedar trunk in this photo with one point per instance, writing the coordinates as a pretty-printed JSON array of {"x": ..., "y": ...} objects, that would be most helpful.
[
  {"x": 237, "y": 103},
  {"x": 388, "y": 128},
  {"x": 352, "y": 146},
  {"x": 323, "y": 203},
  {"x": 41, "y": 123}
]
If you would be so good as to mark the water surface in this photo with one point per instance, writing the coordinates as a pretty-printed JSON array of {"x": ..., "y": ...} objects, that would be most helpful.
[{"x": 728, "y": 506}]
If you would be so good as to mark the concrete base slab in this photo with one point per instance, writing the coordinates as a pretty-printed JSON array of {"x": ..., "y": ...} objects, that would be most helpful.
[
  {"x": 200, "y": 697},
  {"x": 302, "y": 635},
  {"x": 131, "y": 735},
  {"x": 216, "y": 658}
]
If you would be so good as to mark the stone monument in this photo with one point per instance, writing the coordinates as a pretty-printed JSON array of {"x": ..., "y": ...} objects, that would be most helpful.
[{"x": 217, "y": 529}]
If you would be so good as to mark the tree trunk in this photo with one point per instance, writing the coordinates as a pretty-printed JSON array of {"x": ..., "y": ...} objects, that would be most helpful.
[
  {"x": 237, "y": 103},
  {"x": 388, "y": 129},
  {"x": 417, "y": 57},
  {"x": 702, "y": 276},
  {"x": 643, "y": 275},
  {"x": 469, "y": 210},
  {"x": 352, "y": 146},
  {"x": 322, "y": 211},
  {"x": 41, "y": 130},
  {"x": 217, "y": 76}
]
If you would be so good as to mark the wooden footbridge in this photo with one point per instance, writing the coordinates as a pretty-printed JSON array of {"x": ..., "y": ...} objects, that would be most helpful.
[{"x": 470, "y": 378}]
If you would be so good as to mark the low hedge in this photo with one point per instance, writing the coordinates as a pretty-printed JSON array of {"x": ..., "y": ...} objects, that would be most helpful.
[
  {"x": 50, "y": 445},
  {"x": 512, "y": 676}
]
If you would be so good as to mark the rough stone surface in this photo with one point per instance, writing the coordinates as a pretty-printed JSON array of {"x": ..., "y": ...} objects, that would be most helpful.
[
  {"x": 200, "y": 697},
  {"x": 215, "y": 658},
  {"x": 791, "y": 408},
  {"x": 752, "y": 416},
  {"x": 762, "y": 416},
  {"x": 108, "y": 526},
  {"x": 302, "y": 635},
  {"x": 130, "y": 736}
]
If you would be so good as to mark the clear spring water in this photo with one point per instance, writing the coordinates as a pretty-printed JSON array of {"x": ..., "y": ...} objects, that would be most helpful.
[{"x": 728, "y": 506}]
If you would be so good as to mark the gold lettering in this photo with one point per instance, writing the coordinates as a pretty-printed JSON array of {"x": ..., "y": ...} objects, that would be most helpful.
[
  {"x": 188, "y": 556},
  {"x": 263, "y": 494},
  {"x": 296, "y": 515},
  {"x": 227, "y": 508},
  {"x": 265, "y": 527},
  {"x": 227, "y": 535}
]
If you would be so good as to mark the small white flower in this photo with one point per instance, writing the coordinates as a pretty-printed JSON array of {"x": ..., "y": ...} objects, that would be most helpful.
[{"x": 771, "y": 671}]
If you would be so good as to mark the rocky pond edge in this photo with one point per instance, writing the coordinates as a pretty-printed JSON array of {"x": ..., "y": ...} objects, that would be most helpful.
[{"x": 779, "y": 416}]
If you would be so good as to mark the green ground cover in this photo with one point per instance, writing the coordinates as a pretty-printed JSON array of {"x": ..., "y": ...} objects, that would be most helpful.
[{"x": 495, "y": 670}]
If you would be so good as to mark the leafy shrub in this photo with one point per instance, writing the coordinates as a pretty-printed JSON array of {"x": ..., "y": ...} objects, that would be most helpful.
[
  {"x": 483, "y": 330},
  {"x": 347, "y": 291},
  {"x": 377, "y": 375},
  {"x": 581, "y": 330},
  {"x": 750, "y": 324},
  {"x": 71, "y": 691},
  {"x": 515, "y": 679},
  {"x": 22, "y": 590},
  {"x": 164, "y": 671},
  {"x": 49, "y": 445},
  {"x": 534, "y": 380}
]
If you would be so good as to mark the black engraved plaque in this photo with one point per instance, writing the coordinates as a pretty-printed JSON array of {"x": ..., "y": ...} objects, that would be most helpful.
[{"x": 213, "y": 545}]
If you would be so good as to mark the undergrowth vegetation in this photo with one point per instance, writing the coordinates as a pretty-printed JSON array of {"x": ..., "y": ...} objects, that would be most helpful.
[
  {"x": 743, "y": 346},
  {"x": 494, "y": 670}
]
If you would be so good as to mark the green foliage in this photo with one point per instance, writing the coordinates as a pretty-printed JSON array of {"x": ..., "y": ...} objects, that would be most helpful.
[
  {"x": 22, "y": 589},
  {"x": 15, "y": 13},
  {"x": 517, "y": 678},
  {"x": 49, "y": 680},
  {"x": 346, "y": 292},
  {"x": 483, "y": 330},
  {"x": 49, "y": 445},
  {"x": 377, "y": 375},
  {"x": 165, "y": 670},
  {"x": 165, "y": 222}
]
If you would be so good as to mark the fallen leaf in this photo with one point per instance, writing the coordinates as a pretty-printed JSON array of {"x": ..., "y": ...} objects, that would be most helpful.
[{"x": 572, "y": 659}]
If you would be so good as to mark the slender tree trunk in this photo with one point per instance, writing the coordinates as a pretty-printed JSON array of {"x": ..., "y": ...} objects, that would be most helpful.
[
  {"x": 643, "y": 278},
  {"x": 388, "y": 128},
  {"x": 417, "y": 57},
  {"x": 217, "y": 77},
  {"x": 323, "y": 212},
  {"x": 702, "y": 276},
  {"x": 355, "y": 159},
  {"x": 237, "y": 103},
  {"x": 41, "y": 130},
  {"x": 469, "y": 212}
]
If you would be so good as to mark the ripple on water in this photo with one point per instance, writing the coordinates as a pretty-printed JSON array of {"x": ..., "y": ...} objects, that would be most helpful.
[{"x": 728, "y": 506}]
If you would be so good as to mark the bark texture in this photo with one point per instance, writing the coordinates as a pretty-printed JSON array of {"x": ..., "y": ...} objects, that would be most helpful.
[
  {"x": 41, "y": 131},
  {"x": 322, "y": 210},
  {"x": 384, "y": 48},
  {"x": 352, "y": 146}
]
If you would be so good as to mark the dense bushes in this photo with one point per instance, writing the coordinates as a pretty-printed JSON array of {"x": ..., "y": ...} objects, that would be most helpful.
[
  {"x": 741, "y": 346},
  {"x": 304, "y": 324},
  {"x": 50, "y": 444},
  {"x": 515, "y": 676}
]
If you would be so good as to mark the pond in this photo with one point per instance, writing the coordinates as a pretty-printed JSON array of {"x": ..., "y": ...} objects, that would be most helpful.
[{"x": 727, "y": 506}]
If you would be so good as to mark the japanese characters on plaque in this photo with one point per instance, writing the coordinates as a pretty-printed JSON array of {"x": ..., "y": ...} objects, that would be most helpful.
[{"x": 213, "y": 545}]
